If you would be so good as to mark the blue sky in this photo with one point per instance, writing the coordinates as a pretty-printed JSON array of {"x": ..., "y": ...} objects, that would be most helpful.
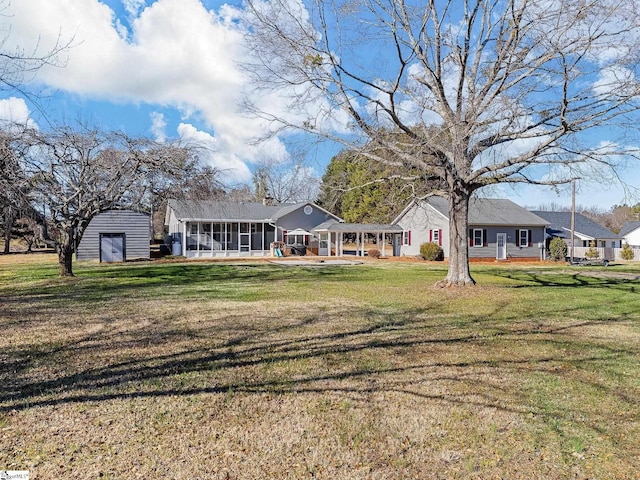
[{"x": 167, "y": 69}]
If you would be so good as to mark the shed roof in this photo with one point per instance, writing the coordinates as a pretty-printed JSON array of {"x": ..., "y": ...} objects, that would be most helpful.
[{"x": 560, "y": 225}]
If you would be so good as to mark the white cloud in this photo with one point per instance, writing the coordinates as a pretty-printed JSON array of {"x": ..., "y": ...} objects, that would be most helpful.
[
  {"x": 232, "y": 168},
  {"x": 615, "y": 80},
  {"x": 133, "y": 7},
  {"x": 177, "y": 54},
  {"x": 15, "y": 110},
  {"x": 158, "y": 126}
]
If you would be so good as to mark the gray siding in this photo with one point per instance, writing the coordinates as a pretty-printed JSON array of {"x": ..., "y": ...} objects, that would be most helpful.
[
  {"x": 134, "y": 225},
  {"x": 299, "y": 219},
  {"x": 513, "y": 251},
  {"x": 421, "y": 218}
]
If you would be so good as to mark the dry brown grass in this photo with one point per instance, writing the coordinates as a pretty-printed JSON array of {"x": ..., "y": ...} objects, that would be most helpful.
[{"x": 315, "y": 377}]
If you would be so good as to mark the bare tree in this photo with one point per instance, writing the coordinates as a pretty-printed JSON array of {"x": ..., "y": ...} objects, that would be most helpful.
[
  {"x": 477, "y": 92},
  {"x": 186, "y": 177},
  {"x": 285, "y": 182},
  {"x": 19, "y": 64},
  {"x": 13, "y": 188},
  {"x": 78, "y": 174}
]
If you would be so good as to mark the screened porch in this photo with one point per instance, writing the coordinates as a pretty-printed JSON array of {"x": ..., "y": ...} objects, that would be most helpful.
[{"x": 221, "y": 239}]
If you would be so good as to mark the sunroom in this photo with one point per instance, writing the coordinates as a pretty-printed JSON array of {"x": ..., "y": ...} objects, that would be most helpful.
[{"x": 206, "y": 238}]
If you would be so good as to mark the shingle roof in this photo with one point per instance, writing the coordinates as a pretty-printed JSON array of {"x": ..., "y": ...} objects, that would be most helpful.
[
  {"x": 364, "y": 227},
  {"x": 491, "y": 211},
  {"x": 498, "y": 211},
  {"x": 561, "y": 225},
  {"x": 629, "y": 227},
  {"x": 227, "y": 210}
]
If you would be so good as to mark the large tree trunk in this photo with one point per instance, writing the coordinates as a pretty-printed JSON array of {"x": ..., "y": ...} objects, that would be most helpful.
[
  {"x": 459, "y": 274},
  {"x": 65, "y": 254}
]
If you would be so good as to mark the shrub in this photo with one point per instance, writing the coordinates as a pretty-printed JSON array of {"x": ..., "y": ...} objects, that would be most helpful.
[
  {"x": 431, "y": 251},
  {"x": 373, "y": 253},
  {"x": 557, "y": 249},
  {"x": 592, "y": 252},
  {"x": 627, "y": 252}
]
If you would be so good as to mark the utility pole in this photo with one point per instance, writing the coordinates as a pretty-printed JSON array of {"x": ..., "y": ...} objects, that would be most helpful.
[{"x": 573, "y": 216}]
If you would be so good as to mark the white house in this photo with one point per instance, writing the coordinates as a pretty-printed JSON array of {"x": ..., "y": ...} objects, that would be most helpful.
[{"x": 630, "y": 234}]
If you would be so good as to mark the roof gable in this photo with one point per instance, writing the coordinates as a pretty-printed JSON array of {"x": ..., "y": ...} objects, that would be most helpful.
[
  {"x": 484, "y": 211},
  {"x": 629, "y": 227}
]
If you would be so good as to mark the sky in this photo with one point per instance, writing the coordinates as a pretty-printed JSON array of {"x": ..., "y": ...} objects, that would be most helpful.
[{"x": 168, "y": 69}]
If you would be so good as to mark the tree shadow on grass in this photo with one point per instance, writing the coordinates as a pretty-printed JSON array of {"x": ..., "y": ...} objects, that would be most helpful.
[
  {"x": 599, "y": 279},
  {"x": 408, "y": 353},
  {"x": 221, "y": 281}
]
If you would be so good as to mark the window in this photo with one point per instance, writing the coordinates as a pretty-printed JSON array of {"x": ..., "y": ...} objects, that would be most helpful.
[
  {"x": 523, "y": 238},
  {"x": 194, "y": 228},
  {"x": 435, "y": 236},
  {"x": 406, "y": 237},
  {"x": 478, "y": 237}
]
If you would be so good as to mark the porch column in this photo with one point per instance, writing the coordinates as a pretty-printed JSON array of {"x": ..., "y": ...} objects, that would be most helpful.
[
  {"x": 198, "y": 242},
  {"x": 226, "y": 244},
  {"x": 184, "y": 239},
  {"x": 362, "y": 252}
]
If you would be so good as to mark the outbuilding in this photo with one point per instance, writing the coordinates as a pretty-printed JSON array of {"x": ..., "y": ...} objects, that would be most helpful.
[{"x": 116, "y": 236}]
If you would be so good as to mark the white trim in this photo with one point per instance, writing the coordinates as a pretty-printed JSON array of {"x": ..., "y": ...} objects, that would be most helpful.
[
  {"x": 528, "y": 240},
  {"x": 482, "y": 239},
  {"x": 419, "y": 204},
  {"x": 504, "y": 246}
]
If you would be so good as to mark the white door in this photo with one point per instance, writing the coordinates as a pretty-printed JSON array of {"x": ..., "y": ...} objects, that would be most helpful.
[
  {"x": 323, "y": 244},
  {"x": 501, "y": 242},
  {"x": 245, "y": 237}
]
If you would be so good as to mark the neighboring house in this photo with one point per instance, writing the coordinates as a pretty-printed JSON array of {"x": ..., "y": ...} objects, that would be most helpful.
[
  {"x": 223, "y": 228},
  {"x": 116, "y": 236},
  {"x": 585, "y": 230},
  {"x": 630, "y": 234},
  {"x": 498, "y": 228}
]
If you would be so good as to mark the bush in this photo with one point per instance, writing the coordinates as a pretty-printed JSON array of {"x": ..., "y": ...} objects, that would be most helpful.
[
  {"x": 373, "y": 253},
  {"x": 592, "y": 253},
  {"x": 557, "y": 249},
  {"x": 431, "y": 251},
  {"x": 627, "y": 252}
]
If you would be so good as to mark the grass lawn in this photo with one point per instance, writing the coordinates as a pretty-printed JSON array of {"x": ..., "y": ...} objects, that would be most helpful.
[{"x": 257, "y": 371}]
